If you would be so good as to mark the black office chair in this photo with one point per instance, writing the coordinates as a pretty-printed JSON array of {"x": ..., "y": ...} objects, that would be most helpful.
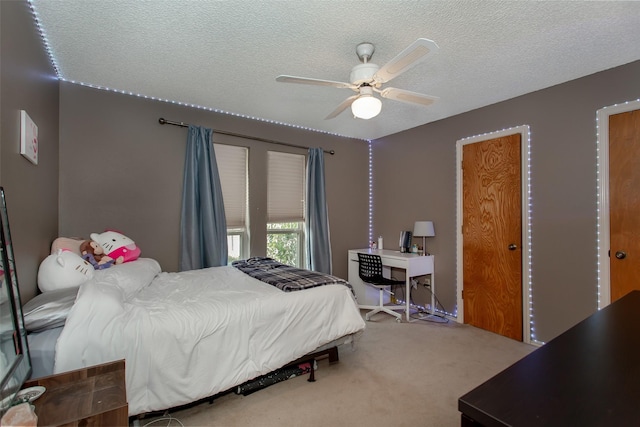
[{"x": 370, "y": 272}]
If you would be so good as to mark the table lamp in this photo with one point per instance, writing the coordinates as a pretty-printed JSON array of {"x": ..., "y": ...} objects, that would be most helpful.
[{"x": 424, "y": 229}]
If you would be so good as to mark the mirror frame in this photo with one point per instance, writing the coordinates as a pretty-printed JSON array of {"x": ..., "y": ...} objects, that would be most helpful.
[{"x": 20, "y": 370}]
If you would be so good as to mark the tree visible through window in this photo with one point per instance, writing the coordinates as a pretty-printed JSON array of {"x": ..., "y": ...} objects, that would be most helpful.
[{"x": 284, "y": 242}]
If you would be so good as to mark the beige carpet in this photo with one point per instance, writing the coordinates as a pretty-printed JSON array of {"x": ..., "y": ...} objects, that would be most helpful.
[{"x": 408, "y": 374}]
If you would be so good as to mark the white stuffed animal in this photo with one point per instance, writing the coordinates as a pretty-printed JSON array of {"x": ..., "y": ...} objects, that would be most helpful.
[{"x": 63, "y": 269}]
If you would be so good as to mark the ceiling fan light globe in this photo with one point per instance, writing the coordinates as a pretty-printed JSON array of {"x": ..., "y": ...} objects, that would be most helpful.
[{"x": 366, "y": 107}]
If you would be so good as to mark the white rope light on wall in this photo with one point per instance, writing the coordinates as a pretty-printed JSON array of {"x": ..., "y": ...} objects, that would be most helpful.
[
  {"x": 598, "y": 211},
  {"x": 54, "y": 63},
  {"x": 45, "y": 41},
  {"x": 532, "y": 328},
  {"x": 370, "y": 192},
  {"x": 200, "y": 107}
]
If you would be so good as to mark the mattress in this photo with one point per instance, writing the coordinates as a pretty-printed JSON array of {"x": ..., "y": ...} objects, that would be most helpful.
[{"x": 42, "y": 351}]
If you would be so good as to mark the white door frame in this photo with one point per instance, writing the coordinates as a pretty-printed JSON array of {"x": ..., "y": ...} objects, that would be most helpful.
[
  {"x": 525, "y": 150},
  {"x": 603, "y": 232}
]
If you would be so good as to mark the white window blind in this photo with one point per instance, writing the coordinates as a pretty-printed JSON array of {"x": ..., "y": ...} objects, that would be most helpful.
[
  {"x": 232, "y": 167},
  {"x": 285, "y": 187}
]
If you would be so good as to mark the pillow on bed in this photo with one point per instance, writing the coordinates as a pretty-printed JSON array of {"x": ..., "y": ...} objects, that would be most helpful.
[
  {"x": 69, "y": 243},
  {"x": 48, "y": 310}
]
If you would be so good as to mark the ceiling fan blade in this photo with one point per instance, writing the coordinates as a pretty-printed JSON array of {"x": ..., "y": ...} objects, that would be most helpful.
[
  {"x": 343, "y": 106},
  {"x": 317, "y": 82},
  {"x": 408, "y": 96},
  {"x": 415, "y": 53}
]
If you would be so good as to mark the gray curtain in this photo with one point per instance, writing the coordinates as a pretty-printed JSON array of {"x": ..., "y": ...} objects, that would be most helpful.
[
  {"x": 317, "y": 224},
  {"x": 203, "y": 225}
]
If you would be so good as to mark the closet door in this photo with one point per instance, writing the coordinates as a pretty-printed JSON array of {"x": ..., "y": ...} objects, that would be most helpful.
[
  {"x": 492, "y": 235},
  {"x": 624, "y": 203}
]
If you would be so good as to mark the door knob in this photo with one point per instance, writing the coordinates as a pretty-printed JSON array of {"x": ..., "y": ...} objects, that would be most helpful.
[
  {"x": 621, "y": 254},
  {"x": 513, "y": 247}
]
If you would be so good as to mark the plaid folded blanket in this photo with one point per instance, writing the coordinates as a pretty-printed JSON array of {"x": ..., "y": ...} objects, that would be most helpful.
[{"x": 285, "y": 277}]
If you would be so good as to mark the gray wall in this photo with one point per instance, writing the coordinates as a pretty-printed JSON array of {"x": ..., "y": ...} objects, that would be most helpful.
[
  {"x": 415, "y": 179},
  {"x": 28, "y": 82},
  {"x": 121, "y": 169}
]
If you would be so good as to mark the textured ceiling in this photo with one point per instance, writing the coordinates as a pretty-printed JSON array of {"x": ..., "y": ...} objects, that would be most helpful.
[{"x": 225, "y": 55}]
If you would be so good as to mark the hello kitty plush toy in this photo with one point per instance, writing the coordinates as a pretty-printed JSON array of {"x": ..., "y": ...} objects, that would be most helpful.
[
  {"x": 117, "y": 246},
  {"x": 63, "y": 269}
]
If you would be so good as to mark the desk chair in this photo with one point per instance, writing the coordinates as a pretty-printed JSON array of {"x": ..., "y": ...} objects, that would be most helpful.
[{"x": 370, "y": 272}]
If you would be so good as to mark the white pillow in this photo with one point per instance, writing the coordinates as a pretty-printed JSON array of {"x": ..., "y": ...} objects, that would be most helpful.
[{"x": 48, "y": 310}]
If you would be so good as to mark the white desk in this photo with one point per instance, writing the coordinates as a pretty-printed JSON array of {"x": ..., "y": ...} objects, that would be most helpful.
[{"x": 413, "y": 264}]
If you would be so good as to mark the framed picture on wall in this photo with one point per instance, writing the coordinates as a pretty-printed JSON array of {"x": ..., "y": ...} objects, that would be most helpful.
[{"x": 28, "y": 138}]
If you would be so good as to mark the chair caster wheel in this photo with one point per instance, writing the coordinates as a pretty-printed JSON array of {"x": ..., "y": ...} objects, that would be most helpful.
[
  {"x": 366, "y": 317},
  {"x": 398, "y": 320}
]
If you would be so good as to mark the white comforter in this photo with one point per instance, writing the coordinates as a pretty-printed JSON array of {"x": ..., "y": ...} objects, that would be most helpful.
[{"x": 190, "y": 335}]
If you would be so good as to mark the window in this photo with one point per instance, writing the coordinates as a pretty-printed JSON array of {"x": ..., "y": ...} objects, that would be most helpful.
[
  {"x": 232, "y": 167},
  {"x": 285, "y": 207}
]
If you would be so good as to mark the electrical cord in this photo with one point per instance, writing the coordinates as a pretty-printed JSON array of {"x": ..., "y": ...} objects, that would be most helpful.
[
  {"x": 431, "y": 316},
  {"x": 165, "y": 417}
]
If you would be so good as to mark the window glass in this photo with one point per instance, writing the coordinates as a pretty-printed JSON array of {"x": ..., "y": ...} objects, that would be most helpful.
[
  {"x": 285, "y": 187},
  {"x": 234, "y": 244},
  {"x": 285, "y": 242}
]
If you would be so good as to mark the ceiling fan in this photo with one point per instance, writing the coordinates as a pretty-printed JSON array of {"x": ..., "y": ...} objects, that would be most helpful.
[{"x": 367, "y": 78}]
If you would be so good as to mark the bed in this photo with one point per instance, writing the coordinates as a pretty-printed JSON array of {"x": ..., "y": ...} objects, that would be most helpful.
[{"x": 189, "y": 335}]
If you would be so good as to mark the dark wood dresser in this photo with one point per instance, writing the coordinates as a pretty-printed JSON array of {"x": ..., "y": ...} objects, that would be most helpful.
[
  {"x": 587, "y": 376},
  {"x": 94, "y": 396}
]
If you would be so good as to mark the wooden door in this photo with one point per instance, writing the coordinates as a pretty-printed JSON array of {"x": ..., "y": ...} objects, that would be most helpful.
[
  {"x": 624, "y": 203},
  {"x": 492, "y": 235}
]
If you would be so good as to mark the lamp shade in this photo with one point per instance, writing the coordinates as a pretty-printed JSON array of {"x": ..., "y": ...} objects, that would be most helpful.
[
  {"x": 366, "y": 107},
  {"x": 423, "y": 229}
]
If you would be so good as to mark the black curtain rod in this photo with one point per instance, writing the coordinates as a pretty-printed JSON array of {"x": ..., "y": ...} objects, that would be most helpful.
[{"x": 164, "y": 121}]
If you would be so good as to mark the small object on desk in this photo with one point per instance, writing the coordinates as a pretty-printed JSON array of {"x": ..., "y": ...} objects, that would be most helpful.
[
  {"x": 405, "y": 241},
  {"x": 424, "y": 229},
  {"x": 30, "y": 394},
  {"x": 373, "y": 245},
  {"x": 380, "y": 242}
]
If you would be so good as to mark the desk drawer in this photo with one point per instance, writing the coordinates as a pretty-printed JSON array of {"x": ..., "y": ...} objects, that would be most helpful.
[
  {"x": 394, "y": 262},
  {"x": 414, "y": 266}
]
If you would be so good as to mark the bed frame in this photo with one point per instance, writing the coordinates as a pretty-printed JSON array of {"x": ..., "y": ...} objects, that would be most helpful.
[{"x": 330, "y": 353}]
